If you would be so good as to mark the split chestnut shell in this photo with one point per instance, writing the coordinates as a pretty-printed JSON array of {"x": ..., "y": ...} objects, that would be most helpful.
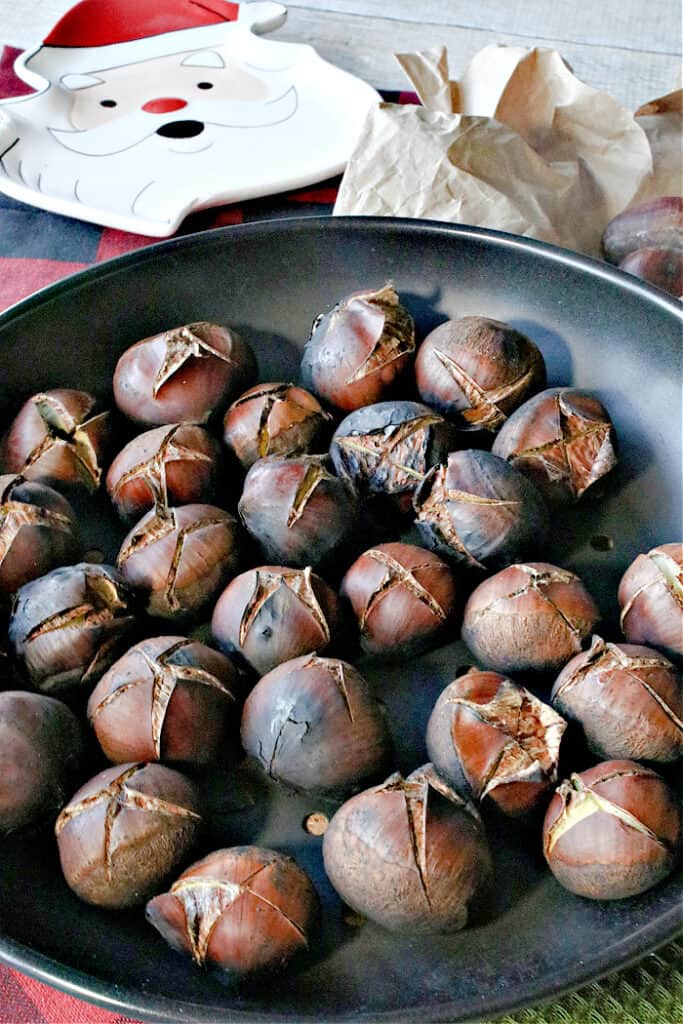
[
  {"x": 274, "y": 419},
  {"x": 651, "y": 599}
]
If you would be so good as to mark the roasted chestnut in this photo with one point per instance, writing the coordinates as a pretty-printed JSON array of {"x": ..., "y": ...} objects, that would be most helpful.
[
  {"x": 314, "y": 724},
  {"x": 612, "y": 831},
  {"x": 71, "y": 624},
  {"x": 532, "y": 616},
  {"x": 274, "y": 419},
  {"x": 299, "y": 513},
  {"x": 125, "y": 831},
  {"x": 660, "y": 267},
  {"x": 480, "y": 512},
  {"x": 655, "y": 224},
  {"x": 562, "y": 439},
  {"x": 172, "y": 465},
  {"x": 183, "y": 375},
  {"x": 58, "y": 438},
  {"x": 167, "y": 699},
  {"x": 386, "y": 449},
  {"x": 651, "y": 599},
  {"x": 490, "y": 737},
  {"x": 181, "y": 559},
  {"x": 244, "y": 910},
  {"x": 273, "y": 614},
  {"x": 627, "y": 699},
  {"x": 357, "y": 351},
  {"x": 403, "y": 598},
  {"x": 38, "y": 531},
  {"x": 410, "y": 854},
  {"x": 477, "y": 371},
  {"x": 40, "y": 750}
]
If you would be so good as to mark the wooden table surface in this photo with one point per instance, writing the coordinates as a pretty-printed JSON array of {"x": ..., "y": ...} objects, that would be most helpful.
[{"x": 627, "y": 47}]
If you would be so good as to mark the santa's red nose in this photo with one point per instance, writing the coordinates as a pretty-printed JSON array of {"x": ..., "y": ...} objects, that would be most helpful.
[{"x": 164, "y": 105}]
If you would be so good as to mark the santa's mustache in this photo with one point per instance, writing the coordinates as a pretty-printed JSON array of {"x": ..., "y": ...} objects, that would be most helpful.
[{"x": 123, "y": 133}]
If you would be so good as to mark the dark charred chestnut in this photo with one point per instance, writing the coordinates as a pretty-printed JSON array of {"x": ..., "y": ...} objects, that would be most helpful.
[
  {"x": 403, "y": 598},
  {"x": 180, "y": 560},
  {"x": 357, "y": 351},
  {"x": 299, "y": 513},
  {"x": 167, "y": 699},
  {"x": 314, "y": 724},
  {"x": 58, "y": 438},
  {"x": 244, "y": 911},
  {"x": 480, "y": 512},
  {"x": 656, "y": 224},
  {"x": 533, "y": 616},
  {"x": 651, "y": 599},
  {"x": 172, "y": 465},
  {"x": 386, "y": 449},
  {"x": 273, "y": 614},
  {"x": 125, "y": 831},
  {"x": 660, "y": 267},
  {"x": 562, "y": 439},
  {"x": 491, "y": 738},
  {"x": 71, "y": 624},
  {"x": 627, "y": 699},
  {"x": 477, "y": 371},
  {"x": 274, "y": 419},
  {"x": 183, "y": 375},
  {"x": 409, "y": 854},
  {"x": 40, "y": 750},
  {"x": 612, "y": 831},
  {"x": 38, "y": 531}
]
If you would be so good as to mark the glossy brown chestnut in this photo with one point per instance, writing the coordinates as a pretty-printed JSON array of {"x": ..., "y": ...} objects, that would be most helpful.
[
  {"x": 480, "y": 512},
  {"x": 167, "y": 699},
  {"x": 172, "y": 465},
  {"x": 71, "y": 624},
  {"x": 655, "y": 224},
  {"x": 532, "y": 616},
  {"x": 59, "y": 438},
  {"x": 660, "y": 267},
  {"x": 273, "y": 614},
  {"x": 40, "y": 750},
  {"x": 628, "y": 700},
  {"x": 386, "y": 449},
  {"x": 612, "y": 831},
  {"x": 274, "y": 419},
  {"x": 38, "y": 531},
  {"x": 244, "y": 910},
  {"x": 183, "y": 375},
  {"x": 562, "y": 439},
  {"x": 409, "y": 854},
  {"x": 314, "y": 724},
  {"x": 297, "y": 511},
  {"x": 125, "y": 831},
  {"x": 491, "y": 738},
  {"x": 403, "y": 598},
  {"x": 477, "y": 371},
  {"x": 182, "y": 559},
  {"x": 357, "y": 351},
  {"x": 651, "y": 599}
]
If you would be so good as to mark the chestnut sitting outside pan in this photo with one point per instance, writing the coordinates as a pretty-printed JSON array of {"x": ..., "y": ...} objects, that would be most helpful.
[{"x": 597, "y": 328}]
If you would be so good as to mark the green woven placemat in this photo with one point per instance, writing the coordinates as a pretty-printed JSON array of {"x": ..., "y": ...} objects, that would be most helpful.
[{"x": 650, "y": 992}]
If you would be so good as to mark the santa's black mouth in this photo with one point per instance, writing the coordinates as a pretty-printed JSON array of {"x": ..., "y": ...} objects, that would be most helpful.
[{"x": 181, "y": 129}]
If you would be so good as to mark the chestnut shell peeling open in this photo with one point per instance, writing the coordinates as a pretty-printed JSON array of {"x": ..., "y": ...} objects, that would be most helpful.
[
  {"x": 274, "y": 419},
  {"x": 562, "y": 439},
  {"x": 480, "y": 512},
  {"x": 244, "y": 910},
  {"x": 651, "y": 599},
  {"x": 491, "y": 737},
  {"x": 410, "y": 854},
  {"x": 533, "y": 616},
  {"x": 628, "y": 700},
  {"x": 357, "y": 351},
  {"x": 314, "y": 725},
  {"x": 613, "y": 831},
  {"x": 477, "y": 371}
]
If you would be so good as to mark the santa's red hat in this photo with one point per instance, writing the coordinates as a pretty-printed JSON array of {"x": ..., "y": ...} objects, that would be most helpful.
[{"x": 103, "y": 23}]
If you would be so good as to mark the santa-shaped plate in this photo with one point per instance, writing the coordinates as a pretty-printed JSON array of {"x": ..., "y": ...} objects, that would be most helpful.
[{"x": 148, "y": 109}]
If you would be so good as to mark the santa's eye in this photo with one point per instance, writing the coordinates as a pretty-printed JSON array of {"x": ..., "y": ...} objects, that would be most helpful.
[
  {"x": 205, "y": 85},
  {"x": 107, "y": 103}
]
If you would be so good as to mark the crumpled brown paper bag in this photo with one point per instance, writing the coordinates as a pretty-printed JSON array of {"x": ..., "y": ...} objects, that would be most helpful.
[{"x": 518, "y": 144}]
